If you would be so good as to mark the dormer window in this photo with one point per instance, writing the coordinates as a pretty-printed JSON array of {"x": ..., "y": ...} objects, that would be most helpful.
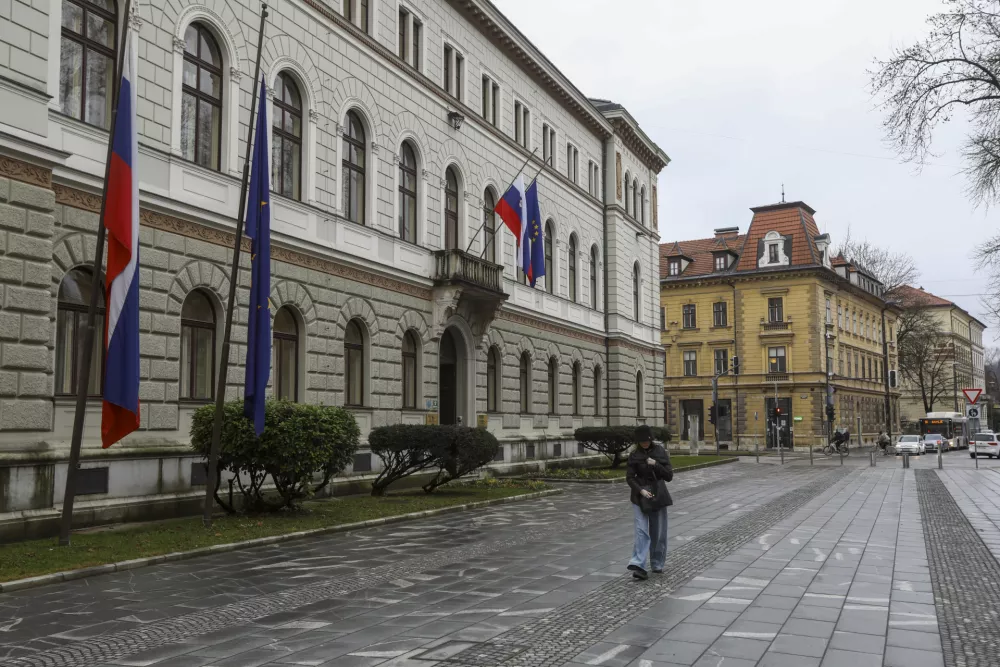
[
  {"x": 772, "y": 253},
  {"x": 674, "y": 267},
  {"x": 721, "y": 262},
  {"x": 774, "y": 250}
]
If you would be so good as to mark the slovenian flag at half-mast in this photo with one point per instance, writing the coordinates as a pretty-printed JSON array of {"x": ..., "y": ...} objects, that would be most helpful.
[
  {"x": 511, "y": 209},
  {"x": 120, "y": 410}
]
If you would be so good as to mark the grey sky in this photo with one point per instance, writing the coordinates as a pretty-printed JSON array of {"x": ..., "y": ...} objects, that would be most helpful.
[{"x": 746, "y": 95}]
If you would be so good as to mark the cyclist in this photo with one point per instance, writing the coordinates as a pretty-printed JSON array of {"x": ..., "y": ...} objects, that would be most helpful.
[{"x": 883, "y": 441}]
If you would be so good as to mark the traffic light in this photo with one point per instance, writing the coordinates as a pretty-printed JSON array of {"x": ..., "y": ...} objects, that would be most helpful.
[
  {"x": 736, "y": 365},
  {"x": 829, "y": 412},
  {"x": 713, "y": 412}
]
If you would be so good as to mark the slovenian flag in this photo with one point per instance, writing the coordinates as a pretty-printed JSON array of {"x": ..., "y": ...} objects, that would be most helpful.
[
  {"x": 120, "y": 411},
  {"x": 511, "y": 209}
]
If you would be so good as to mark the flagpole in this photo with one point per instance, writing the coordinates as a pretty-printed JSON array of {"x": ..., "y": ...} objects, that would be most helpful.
[
  {"x": 220, "y": 389},
  {"x": 83, "y": 370},
  {"x": 516, "y": 174}
]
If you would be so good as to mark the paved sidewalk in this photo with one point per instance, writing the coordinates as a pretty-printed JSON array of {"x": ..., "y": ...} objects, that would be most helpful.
[{"x": 768, "y": 565}]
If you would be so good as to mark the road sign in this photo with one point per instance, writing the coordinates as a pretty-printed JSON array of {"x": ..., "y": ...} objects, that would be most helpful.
[
  {"x": 972, "y": 395},
  {"x": 972, "y": 411}
]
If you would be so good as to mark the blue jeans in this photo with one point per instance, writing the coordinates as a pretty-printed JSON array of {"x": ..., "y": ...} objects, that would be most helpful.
[{"x": 650, "y": 538}]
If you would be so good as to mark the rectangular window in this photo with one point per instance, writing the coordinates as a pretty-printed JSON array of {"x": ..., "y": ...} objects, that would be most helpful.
[
  {"x": 674, "y": 267},
  {"x": 720, "y": 262},
  {"x": 448, "y": 54},
  {"x": 829, "y": 312},
  {"x": 595, "y": 179},
  {"x": 690, "y": 321},
  {"x": 491, "y": 96},
  {"x": 829, "y": 362},
  {"x": 459, "y": 77},
  {"x": 772, "y": 253},
  {"x": 417, "y": 44},
  {"x": 521, "y": 126},
  {"x": 663, "y": 319},
  {"x": 572, "y": 156},
  {"x": 404, "y": 35},
  {"x": 526, "y": 122},
  {"x": 775, "y": 310},
  {"x": 721, "y": 362},
  {"x": 690, "y": 363},
  {"x": 840, "y": 362},
  {"x": 546, "y": 150},
  {"x": 720, "y": 317},
  {"x": 840, "y": 316},
  {"x": 776, "y": 360}
]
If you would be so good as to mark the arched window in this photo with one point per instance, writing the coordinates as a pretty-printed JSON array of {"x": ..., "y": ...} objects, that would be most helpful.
[
  {"x": 553, "y": 385},
  {"x": 642, "y": 205},
  {"x": 354, "y": 169},
  {"x": 576, "y": 387},
  {"x": 598, "y": 390},
  {"x": 286, "y": 355},
  {"x": 409, "y": 371},
  {"x": 286, "y": 143},
  {"x": 636, "y": 286},
  {"x": 571, "y": 264},
  {"x": 593, "y": 277},
  {"x": 493, "y": 375},
  {"x": 197, "y": 347},
  {"x": 639, "y": 408},
  {"x": 524, "y": 383},
  {"x": 408, "y": 193},
  {"x": 87, "y": 60},
  {"x": 628, "y": 193},
  {"x": 490, "y": 226},
  {"x": 201, "y": 103},
  {"x": 635, "y": 199},
  {"x": 354, "y": 364},
  {"x": 71, "y": 325},
  {"x": 450, "y": 208},
  {"x": 550, "y": 278}
]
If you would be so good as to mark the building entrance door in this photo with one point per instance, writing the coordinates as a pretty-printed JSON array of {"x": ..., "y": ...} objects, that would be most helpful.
[
  {"x": 692, "y": 407},
  {"x": 724, "y": 420},
  {"x": 448, "y": 379}
]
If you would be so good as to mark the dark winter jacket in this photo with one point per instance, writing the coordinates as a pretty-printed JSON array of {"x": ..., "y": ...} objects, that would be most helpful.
[{"x": 640, "y": 474}]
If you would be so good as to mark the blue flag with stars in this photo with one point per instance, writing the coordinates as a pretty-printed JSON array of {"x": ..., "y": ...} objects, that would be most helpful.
[
  {"x": 534, "y": 264},
  {"x": 258, "y": 366}
]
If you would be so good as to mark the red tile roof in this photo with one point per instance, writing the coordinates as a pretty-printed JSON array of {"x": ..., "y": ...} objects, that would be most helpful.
[
  {"x": 701, "y": 252},
  {"x": 915, "y": 296}
]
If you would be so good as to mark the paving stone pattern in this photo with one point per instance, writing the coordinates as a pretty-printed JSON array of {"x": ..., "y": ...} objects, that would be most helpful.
[
  {"x": 569, "y": 630},
  {"x": 964, "y": 575},
  {"x": 117, "y": 645}
]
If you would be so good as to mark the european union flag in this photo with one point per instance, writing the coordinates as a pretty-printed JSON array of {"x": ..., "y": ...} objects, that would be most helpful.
[
  {"x": 258, "y": 230},
  {"x": 535, "y": 262}
]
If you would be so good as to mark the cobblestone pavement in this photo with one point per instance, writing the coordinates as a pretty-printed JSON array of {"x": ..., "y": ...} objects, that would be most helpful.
[{"x": 769, "y": 565}]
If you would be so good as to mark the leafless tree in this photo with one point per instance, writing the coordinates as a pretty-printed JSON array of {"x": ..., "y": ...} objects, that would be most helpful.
[
  {"x": 924, "y": 355},
  {"x": 892, "y": 269},
  {"x": 956, "y": 66},
  {"x": 987, "y": 257},
  {"x": 993, "y": 373}
]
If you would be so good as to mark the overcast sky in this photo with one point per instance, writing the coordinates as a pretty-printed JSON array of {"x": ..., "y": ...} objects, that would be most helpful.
[{"x": 744, "y": 96}]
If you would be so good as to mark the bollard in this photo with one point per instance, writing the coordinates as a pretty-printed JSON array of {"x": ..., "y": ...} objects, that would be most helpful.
[
  {"x": 873, "y": 459},
  {"x": 756, "y": 451},
  {"x": 906, "y": 460},
  {"x": 840, "y": 449},
  {"x": 940, "y": 460},
  {"x": 811, "y": 448}
]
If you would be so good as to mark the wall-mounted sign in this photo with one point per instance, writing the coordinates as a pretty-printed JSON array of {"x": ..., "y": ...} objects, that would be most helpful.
[
  {"x": 431, "y": 418},
  {"x": 482, "y": 421}
]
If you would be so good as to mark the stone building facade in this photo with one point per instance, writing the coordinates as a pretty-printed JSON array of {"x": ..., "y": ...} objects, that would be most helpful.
[
  {"x": 395, "y": 127},
  {"x": 801, "y": 324}
]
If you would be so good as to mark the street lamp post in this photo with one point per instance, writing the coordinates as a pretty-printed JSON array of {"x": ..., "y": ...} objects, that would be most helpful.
[{"x": 885, "y": 370}]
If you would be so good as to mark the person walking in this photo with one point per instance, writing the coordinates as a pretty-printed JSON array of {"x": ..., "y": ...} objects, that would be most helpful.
[{"x": 649, "y": 470}]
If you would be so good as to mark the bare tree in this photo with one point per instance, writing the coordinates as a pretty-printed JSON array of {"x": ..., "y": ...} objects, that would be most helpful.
[
  {"x": 892, "y": 269},
  {"x": 924, "y": 355},
  {"x": 987, "y": 258},
  {"x": 955, "y": 67}
]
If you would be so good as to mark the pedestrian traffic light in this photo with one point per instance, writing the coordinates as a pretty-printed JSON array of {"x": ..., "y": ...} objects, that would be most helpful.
[
  {"x": 829, "y": 412},
  {"x": 713, "y": 412},
  {"x": 736, "y": 365}
]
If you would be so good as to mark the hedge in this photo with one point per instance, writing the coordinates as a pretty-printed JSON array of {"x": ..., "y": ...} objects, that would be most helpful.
[{"x": 613, "y": 441}]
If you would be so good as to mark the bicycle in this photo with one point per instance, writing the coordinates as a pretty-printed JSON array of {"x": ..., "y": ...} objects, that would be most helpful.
[
  {"x": 837, "y": 448},
  {"x": 889, "y": 450}
]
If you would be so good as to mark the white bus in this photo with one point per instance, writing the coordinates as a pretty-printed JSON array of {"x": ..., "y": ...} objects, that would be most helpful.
[{"x": 949, "y": 425}]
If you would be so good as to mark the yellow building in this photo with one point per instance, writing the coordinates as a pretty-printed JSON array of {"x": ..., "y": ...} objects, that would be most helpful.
[{"x": 775, "y": 300}]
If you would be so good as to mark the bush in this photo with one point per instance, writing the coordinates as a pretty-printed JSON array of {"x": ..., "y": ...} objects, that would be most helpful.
[
  {"x": 613, "y": 441},
  {"x": 460, "y": 452},
  {"x": 299, "y": 443},
  {"x": 405, "y": 449}
]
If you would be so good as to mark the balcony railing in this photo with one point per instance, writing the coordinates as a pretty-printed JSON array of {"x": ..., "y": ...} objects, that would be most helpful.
[
  {"x": 775, "y": 326},
  {"x": 776, "y": 377},
  {"x": 458, "y": 265}
]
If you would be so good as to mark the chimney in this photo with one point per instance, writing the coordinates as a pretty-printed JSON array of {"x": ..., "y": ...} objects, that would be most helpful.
[{"x": 727, "y": 232}]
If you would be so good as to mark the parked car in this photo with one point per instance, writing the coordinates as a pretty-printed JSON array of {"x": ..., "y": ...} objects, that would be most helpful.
[
  {"x": 910, "y": 444},
  {"x": 984, "y": 443},
  {"x": 934, "y": 442}
]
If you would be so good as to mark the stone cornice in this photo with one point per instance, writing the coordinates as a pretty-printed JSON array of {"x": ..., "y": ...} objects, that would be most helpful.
[
  {"x": 25, "y": 172},
  {"x": 544, "y": 325},
  {"x": 168, "y": 223},
  {"x": 639, "y": 144}
]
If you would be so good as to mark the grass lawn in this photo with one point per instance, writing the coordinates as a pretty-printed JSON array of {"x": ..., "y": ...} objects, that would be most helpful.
[
  {"x": 603, "y": 472},
  {"x": 124, "y": 542}
]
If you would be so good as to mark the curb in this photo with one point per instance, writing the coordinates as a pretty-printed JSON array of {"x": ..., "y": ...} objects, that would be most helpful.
[
  {"x": 121, "y": 566},
  {"x": 618, "y": 480}
]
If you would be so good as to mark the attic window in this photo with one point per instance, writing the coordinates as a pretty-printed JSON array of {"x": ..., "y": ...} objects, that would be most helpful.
[
  {"x": 674, "y": 267},
  {"x": 772, "y": 253},
  {"x": 721, "y": 262}
]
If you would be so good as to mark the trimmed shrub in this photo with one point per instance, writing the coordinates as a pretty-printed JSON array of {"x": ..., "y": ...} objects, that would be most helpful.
[
  {"x": 405, "y": 449},
  {"x": 461, "y": 452},
  {"x": 301, "y": 449},
  {"x": 613, "y": 441}
]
